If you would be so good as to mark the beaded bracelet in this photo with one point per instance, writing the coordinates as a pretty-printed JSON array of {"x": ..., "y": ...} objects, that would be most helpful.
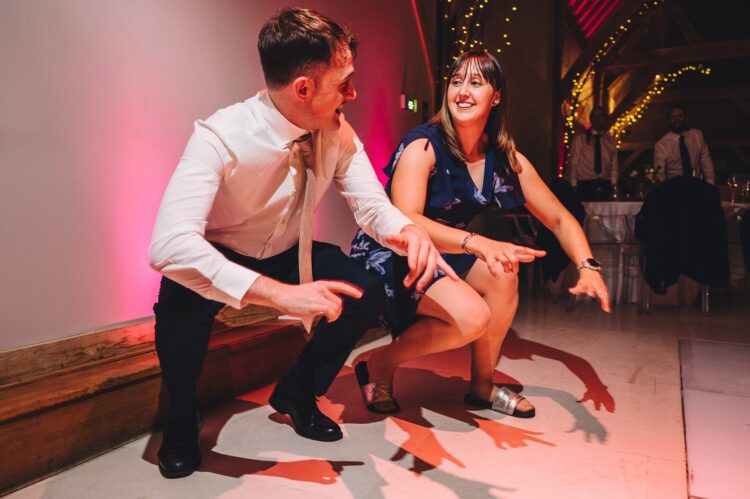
[{"x": 466, "y": 240}]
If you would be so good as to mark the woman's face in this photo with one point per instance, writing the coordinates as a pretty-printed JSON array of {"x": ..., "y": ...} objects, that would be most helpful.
[{"x": 470, "y": 97}]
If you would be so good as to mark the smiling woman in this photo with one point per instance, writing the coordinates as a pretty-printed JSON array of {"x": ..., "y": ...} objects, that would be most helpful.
[
  {"x": 477, "y": 92},
  {"x": 442, "y": 175}
]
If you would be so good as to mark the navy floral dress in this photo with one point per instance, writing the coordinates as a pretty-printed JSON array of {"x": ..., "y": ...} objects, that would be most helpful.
[{"x": 452, "y": 199}]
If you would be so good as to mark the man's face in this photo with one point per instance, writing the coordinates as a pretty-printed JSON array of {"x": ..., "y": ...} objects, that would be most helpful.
[
  {"x": 677, "y": 120},
  {"x": 598, "y": 118},
  {"x": 332, "y": 89}
]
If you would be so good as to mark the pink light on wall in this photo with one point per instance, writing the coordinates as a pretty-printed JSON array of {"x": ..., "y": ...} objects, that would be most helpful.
[
  {"x": 425, "y": 52},
  {"x": 141, "y": 165},
  {"x": 382, "y": 111}
]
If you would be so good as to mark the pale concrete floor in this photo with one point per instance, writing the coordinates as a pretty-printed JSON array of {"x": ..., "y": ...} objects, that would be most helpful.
[
  {"x": 625, "y": 440},
  {"x": 716, "y": 402}
]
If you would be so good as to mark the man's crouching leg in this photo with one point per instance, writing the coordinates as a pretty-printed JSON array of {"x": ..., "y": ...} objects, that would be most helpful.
[
  {"x": 331, "y": 344},
  {"x": 183, "y": 326}
]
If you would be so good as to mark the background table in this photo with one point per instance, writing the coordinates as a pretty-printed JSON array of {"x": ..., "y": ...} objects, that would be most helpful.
[
  {"x": 610, "y": 229},
  {"x": 734, "y": 213}
]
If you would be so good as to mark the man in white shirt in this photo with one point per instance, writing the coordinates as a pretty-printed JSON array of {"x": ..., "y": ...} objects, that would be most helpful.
[
  {"x": 682, "y": 151},
  {"x": 593, "y": 160},
  {"x": 228, "y": 228}
]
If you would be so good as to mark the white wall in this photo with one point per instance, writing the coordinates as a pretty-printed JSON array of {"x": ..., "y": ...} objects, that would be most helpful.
[{"x": 98, "y": 98}]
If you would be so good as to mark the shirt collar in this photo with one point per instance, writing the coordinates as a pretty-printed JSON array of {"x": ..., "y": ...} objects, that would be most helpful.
[{"x": 282, "y": 130}]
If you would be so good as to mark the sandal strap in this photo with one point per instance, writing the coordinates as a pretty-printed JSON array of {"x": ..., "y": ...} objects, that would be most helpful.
[
  {"x": 506, "y": 401},
  {"x": 377, "y": 392}
]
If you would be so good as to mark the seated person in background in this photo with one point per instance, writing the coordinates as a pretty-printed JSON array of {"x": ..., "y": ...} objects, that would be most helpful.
[
  {"x": 442, "y": 175},
  {"x": 682, "y": 151},
  {"x": 593, "y": 160}
]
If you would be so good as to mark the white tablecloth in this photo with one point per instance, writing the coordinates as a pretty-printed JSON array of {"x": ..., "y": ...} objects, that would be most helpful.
[
  {"x": 734, "y": 213},
  {"x": 610, "y": 230}
]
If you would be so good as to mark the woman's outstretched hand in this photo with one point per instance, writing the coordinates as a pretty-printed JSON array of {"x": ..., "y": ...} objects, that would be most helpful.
[
  {"x": 590, "y": 282},
  {"x": 500, "y": 256}
]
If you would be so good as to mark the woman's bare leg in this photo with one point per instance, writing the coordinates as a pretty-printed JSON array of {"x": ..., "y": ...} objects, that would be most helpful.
[
  {"x": 450, "y": 315},
  {"x": 501, "y": 295}
]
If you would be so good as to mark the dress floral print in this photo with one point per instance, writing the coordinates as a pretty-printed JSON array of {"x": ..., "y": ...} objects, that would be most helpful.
[{"x": 452, "y": 199}]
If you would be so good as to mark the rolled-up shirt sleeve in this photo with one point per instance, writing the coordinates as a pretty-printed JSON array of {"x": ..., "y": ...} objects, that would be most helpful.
[
  {"x": 178, "y": 248},
  {"x": 356, "y": 181}
]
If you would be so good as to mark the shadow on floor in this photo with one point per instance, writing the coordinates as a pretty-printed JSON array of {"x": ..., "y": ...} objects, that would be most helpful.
[{"x": 433, "y": 385}]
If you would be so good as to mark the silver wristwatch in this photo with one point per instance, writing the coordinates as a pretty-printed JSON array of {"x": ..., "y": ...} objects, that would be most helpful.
[{"x": 591, "y": 264}]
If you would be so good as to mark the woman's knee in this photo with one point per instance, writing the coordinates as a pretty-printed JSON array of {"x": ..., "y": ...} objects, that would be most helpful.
[
  {"x": 504, "y": 288},
  {"x": 473, "y": 320}
]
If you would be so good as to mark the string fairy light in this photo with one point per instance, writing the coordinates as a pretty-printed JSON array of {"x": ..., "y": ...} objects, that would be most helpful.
[
  {"x": 468, "y": 31},
  {"x": 658, "y": 84},
  {"x": 579, "y": 81}
]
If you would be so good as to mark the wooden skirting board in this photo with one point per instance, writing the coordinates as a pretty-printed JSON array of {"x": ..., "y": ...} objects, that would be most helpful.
[
  {"x": 64, "y": 402},
  {"x": 28, "y": 363}
]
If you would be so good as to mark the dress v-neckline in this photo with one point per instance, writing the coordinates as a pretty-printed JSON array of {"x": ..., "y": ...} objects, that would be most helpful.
[{"x": 478, "y": 188}]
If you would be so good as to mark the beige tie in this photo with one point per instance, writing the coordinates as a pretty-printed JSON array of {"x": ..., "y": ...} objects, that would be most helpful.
[{"x": 302, "y": 150}]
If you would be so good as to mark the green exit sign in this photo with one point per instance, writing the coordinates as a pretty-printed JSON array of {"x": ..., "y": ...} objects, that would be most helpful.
[{"x": 410, "y": 104}]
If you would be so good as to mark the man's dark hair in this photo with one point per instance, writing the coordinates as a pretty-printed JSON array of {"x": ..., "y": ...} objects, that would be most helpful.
[
  {"x": 676, "y": 106},
  {"x": 293, "y": 41}
]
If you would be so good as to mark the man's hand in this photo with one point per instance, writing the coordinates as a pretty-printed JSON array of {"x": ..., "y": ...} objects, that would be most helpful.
[
  {"x": 422, "y": 255},
  {"x": 590, "y": 282},
  {"x": 302, "y": 300}
]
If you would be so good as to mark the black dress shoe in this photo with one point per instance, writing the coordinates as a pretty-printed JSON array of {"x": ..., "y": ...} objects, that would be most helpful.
[
  {"x": 180, "y": 452},
  {"x": 307, "y": 419}
]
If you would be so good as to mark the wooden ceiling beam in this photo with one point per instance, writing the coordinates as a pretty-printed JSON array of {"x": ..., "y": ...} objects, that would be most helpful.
[
  {"x": 735, "y": 49},
  {"x": 638, "y": 86},
  {"x": 625, "y": 10},
  {"x": 634, "y": 154},
  {"x": 697, "y": 94},
  {"x": 741, "y": 155},
  {"x": 742, "y": 104},
  {"x": 636, "y": 36},
  {"x": 683, "y": 22}
]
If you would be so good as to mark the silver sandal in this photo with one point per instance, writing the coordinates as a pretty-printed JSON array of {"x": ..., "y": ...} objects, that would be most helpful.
[{"x": 505, "y": 402}]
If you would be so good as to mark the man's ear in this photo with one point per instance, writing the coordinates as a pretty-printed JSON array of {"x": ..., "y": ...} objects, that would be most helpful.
[{"x": 302, "y": 87}]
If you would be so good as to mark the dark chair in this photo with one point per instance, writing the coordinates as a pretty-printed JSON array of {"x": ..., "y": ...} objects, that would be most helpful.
[{"x": 683, "y": 232}]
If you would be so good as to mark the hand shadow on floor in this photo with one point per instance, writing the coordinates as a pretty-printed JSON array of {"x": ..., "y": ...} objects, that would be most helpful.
[
  {"x": 424, "y": 390},
  {"x": 319, "y": 471},
  {"x": 443, "y": 394},
  {"x": 517, "y": 348}
]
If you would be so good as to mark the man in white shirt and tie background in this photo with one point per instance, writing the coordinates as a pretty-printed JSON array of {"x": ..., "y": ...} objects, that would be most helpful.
[
  {"x": 593, "y": 167},
  {"x": 682, "y": 151},
  {"x": 234, "y": 227}
]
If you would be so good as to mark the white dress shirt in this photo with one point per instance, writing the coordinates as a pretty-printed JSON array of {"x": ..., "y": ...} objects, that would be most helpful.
[
  {"x": 235, "y": 186},
  {"x": 581, "y": 165},
  {"x": 667, "y": 154}
]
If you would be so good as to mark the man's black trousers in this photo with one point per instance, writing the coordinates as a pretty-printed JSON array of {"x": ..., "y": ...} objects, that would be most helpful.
[{"x": 184, "y": 319}]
